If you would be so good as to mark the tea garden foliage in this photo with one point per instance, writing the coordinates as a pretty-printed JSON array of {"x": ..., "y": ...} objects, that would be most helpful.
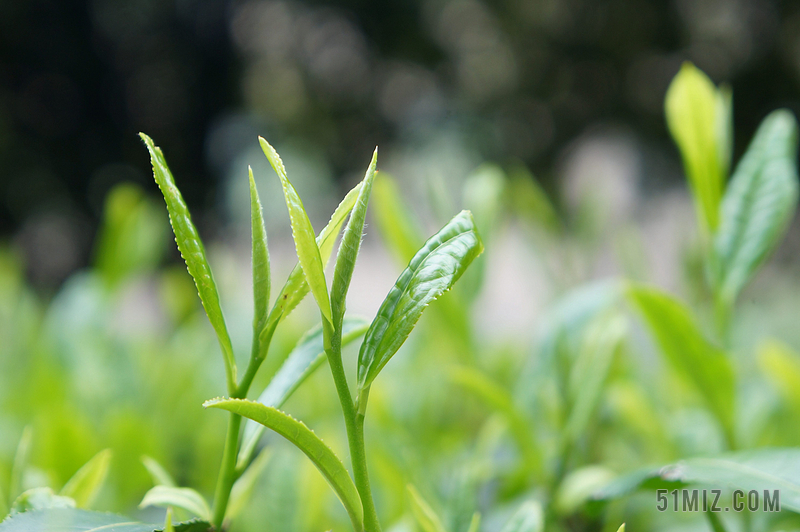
[{"x": 571, "y": 433}]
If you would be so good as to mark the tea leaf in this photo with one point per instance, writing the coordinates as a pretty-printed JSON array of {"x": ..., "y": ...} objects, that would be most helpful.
[
  {"x": 193, "y": 253},
  {"x": 426, "y": 518},
  {"x": 529, "y": 518},
  {"x": 40, "y": 499},
  {"x": 261, "y": 269},
  {"x": 691, "y": 108},
  {"x": 307, "y": 249},
  {"x": 296, "y": 286},
  {"x": 304, "y": 359},
  {"x": 433, "y": 270},
  {"x": 76, "y": 520},
  {"x": 20, "y": 463},
  {"x": 397, "y": 226},
  {"x": 475, "y": 522},
  {"x": 245, "y": 484},
  {"x": 351, "y": 242},
  {"x": 687, "y": 350},
  {"x": 304, "y": 439},
  {"x": 160, "y": 476},
  {"x": 591, "y": 369},
  {"x": 185, "y": 498},
  {"x": 758, "y": 469},
  {"x": 781, "y": 365},
  {"x": 758, "y": 205},
  {"x": 86, "y": 483},
  {"x": 621, "y": 528}
]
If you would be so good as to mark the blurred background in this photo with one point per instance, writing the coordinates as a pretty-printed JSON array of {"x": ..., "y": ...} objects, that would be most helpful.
[{"x": 545, "y": 117}]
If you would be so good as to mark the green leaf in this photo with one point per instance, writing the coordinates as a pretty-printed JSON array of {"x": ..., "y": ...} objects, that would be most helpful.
[
  {"x": 781, "y": 365},
  {"x": 75, "y": 520},
  {"x": 304, "y": 439},
  {"x": 621, "y": 528},
  {"x": 591, "y": 369},
  {"x": 433, "y": 270},
  {"x": 351, "y": 242},
  {"x": 168, "y": 527},
  {"x": 160, "y": 476},
  {"x": 20, "y": 463},
  {"x": 296, "y": 286},
  {"x": 475, "y": 522},
  {"x": 261, "y": 269},
  {"x": 498, "y": 398},
  {"x": 426, "y": 518},
  {"x": 308, "y": 252},
  {"x": 758, "y": 469},
  {"x": 578, "y": 486},
  {"x": 304, "y": 359},
  {"x": 40, "y": 499},
  {"x": 86, "y": 483},
  {"x": 243, "y": 488},
  {"x": 530, "y": 201},
  {"x": 398, "y": 227},
  {"x": 758, "y": 205},
  {"x": 529, "y": 518},
  {"x": 185, "y": 498},
  {"x": 193, "y": 253},
  {"x": 692, "y": 108},
  {"x": 688, "y": 351}
]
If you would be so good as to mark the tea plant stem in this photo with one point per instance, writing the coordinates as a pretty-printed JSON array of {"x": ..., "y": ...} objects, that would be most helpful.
[
  {"x": 227, "y": 472},
  {"x": 354, "y": 424}
]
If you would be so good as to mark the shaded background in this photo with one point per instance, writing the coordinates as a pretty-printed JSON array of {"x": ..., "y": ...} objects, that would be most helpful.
[{"x": 440, "y": 85}]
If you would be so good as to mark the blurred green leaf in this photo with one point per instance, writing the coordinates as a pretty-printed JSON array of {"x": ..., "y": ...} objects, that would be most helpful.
[
  {"x": 781, "y": 365},
  {"x": 497, "y": 398},
  {"x": 686, "y": 349},
  {"x": 133, "y": 234},
  {"x": 304, "y": 359},
  {"x": 692, "y": 108},
  {"x": 245, "y": 485},
  {"x": 160, "y": 476},
  {"x": 307, "y": 249},
  {"x": 432, "y": 271},
  {"x": 426, "y": 518},
  {"x": 296, "y": 286},
  {"x": 304, "y": 439},
  {"x": 475, "y": 523},
  {"x": 168, "y": 527},
  {"x": 530, "y": 201},
  {"x": 185, "y": 498},
  {"x": 76, "y": 520},
  {"x": 758, "y": 204},
  {"x": 351, "y": 242},
  {"x": 20, "y": 463},
  {"x": 578, "y": 487},
  {"x": 591, "y": 369},
  {"x": 757, "y": 469},
  {"x": 261, "y": 269},
  {"x": 528, "y": 518},
  {"x": 40, "y": 499},
  {"x": 621, "y": 528},
  {"x": 398, "y": 227},
  {"x": 193, "y": 252},
  {"x": 86, "y": 483}
]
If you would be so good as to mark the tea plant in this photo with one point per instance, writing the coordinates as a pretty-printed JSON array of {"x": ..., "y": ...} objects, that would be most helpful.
[{"x": 432, "y": 271}]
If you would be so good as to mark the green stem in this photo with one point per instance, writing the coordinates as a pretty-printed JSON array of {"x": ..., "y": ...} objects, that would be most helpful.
[
  {"x": 227, "y": 471},
  {"x": 354, "y": 424}
]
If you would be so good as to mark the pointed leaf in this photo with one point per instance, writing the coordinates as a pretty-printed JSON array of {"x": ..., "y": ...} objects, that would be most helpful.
[
  {"x": 304, "y": 359},
  {"x": 426, "y": 518},
  {"x": 691, "y": 108},
  {"x": 185, "y": 498},
  {"x": 351, "y": 243},
  {"x": 304, "y": 439},
  {"x": 475, "y": 522},
  {"x": 160, "y": 476},
  {"x": 20, "y": 463},
  {"x": 86, "y": 483},
  {"x": 687, "y": 350},
  {"x": 168, "y": 527},
  {"x": 529, "y": 518},
  {"x": 76, "y": 520},
  {"x": 260, "y": 262},
  {"x": 193, "y": 253},
  {"x": 757, "y": 469},
  {"x": 398, "y": 227},
  {"x": 307, "y": 249},
  {"x": 296, "y": 286},
  {"x": 432, "y": 271},
  {"x": 621, "y": 528},
  {"x": 758, "y": 205}
]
